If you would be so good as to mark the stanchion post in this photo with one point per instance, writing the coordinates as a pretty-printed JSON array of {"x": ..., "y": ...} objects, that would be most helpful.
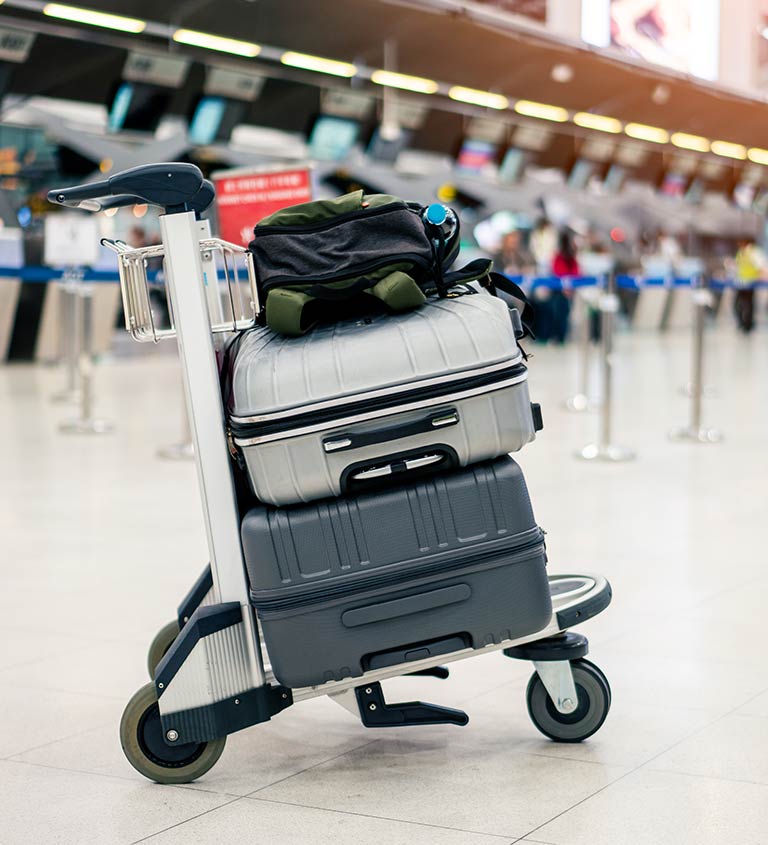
[
  {"x": 603, "y": 449},
  {"x": 695, "y": 432},
  {"x": 68, "y": 334},
  {"x": 184, "y": 450},
  {"x": 580, "y": 400},
  {"x": 86, "y": 423}
]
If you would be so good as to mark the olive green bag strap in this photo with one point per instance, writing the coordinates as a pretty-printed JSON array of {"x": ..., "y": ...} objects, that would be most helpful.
[
  {"x": 399, "y": 292},
  {"x": 287, "y": 311},
  {"x": 290, "y": 312}
]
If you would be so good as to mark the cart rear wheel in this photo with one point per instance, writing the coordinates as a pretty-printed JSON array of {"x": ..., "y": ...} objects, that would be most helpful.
[
  {"x": 594, "y": 702},
  {"x": 141, "y": 735},
  {"x": 163, "y": 640}
]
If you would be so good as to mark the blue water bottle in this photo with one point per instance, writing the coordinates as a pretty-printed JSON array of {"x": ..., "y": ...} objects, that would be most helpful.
[{"x": 440, "y": 219}]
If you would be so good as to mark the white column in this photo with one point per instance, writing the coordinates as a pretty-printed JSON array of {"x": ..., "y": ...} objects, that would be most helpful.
[
  {"x": 595, "y": 21},
  {"x": 740, "y": 24},
  {"x": 564, "y": 18}
]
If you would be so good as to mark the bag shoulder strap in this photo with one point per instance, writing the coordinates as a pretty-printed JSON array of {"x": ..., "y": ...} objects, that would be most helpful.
[
  {"x": 472, "y": 272},
  {"x": 226, "y": 362},
  {"x": 514, "y": 295}
]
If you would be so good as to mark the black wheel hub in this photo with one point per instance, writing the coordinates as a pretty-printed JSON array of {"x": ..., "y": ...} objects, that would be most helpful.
[
  {"x": 152, "y": 741},
  {"x": 578, "y": 714}
]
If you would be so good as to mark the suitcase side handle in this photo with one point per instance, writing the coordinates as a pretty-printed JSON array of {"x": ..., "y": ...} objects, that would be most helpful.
[
  {"x": 419, "y": 603},
  {"x": 397, "y": 467},
  {"x": 355, "y": 440}
]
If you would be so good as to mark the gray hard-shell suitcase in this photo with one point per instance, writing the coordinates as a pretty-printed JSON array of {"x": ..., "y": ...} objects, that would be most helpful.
[
  {"x": 446, "y": 563},
  {"x": 354, "y": 402}
]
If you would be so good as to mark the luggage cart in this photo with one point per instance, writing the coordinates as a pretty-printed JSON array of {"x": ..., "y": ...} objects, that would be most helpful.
[{"x": 208, "y": 668}]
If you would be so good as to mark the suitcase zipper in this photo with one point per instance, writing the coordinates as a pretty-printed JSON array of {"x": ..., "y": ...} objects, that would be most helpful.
[
  {"x": 375, "y": 581},
  {"x": 242, "y": 430}
]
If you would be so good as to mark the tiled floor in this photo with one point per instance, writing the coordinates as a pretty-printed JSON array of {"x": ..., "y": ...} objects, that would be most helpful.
[{"x": 100, "y": 540}]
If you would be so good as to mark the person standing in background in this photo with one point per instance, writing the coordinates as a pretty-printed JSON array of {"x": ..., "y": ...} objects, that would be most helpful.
[
  {"x": 564, "y": 265},
  {"x": 751, "y": 265},
  {"x": 543, "y": 245},
  {"x": 513, "y": 259}
]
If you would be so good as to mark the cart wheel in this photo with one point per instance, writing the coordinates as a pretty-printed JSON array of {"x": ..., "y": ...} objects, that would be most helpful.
[
  {"x": 594, "y": 696},
  {"x": 163, "y": 640},
  {"x": 141, "y": 735}
]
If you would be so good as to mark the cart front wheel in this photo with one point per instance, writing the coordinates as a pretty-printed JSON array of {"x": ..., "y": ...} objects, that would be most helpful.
[
  {"x": 163, "y": 640},
  {"x": 594, "y": 702},
  {"x": 141, "y": 735}
]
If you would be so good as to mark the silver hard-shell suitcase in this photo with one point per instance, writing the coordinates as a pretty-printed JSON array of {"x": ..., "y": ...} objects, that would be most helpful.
[{"x": 355, "y": 402}]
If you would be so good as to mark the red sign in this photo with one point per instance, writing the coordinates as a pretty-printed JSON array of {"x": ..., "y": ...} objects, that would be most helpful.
[{"x": 243, "y": 199}]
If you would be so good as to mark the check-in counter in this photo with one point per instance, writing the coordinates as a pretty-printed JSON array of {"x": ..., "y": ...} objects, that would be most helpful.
[
  {"x": 31, "y": 305},
  {"x": 11, "y": 256}
]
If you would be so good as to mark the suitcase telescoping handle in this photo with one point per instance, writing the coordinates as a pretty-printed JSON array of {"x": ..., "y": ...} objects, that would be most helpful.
[{"x": 174, "y": 186}]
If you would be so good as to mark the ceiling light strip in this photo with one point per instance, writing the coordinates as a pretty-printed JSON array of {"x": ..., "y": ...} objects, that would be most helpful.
[
  {"x": 542, "y": 111},
  {"x": 759, "y": 156},
  {"x": 600, "y": 122},
  {"x": 318, "y": 64},
  {"x": 94, "y": 18},
  {"x": 690, "y": 142},
  {"x": 727, "y": 149},
  {"x": 485, "y": 99},
  {"x": 402, "y": 80},
  {"x": 216, "y": 42},
  {"x": 643, "y": 132}
]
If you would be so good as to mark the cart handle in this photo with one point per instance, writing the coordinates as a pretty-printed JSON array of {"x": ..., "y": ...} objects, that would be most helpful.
[{"x": 175, "y": 186}]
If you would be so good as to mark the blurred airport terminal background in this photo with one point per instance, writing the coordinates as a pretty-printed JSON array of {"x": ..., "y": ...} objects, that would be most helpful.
[{"x": 611, "y": 156}]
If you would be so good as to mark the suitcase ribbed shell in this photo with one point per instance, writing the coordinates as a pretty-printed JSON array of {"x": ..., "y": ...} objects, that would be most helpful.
[
  {"x": 441, "y": 386},
  {"x": 277, "y": 373}
]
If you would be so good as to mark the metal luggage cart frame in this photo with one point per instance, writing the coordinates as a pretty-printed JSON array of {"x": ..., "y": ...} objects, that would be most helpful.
[{"x": 210, "y": 677}]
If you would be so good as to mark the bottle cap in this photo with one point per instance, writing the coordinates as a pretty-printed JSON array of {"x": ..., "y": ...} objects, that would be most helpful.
[{"x": 436, "y": 214}]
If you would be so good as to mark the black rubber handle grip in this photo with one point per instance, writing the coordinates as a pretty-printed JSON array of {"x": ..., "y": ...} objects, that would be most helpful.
[
  {"x": 354, "y": 440},
  {"x": 169, "y": 184},
  {"x": 203, "y": 198},
  {"x": 420, "y": 603},
  {"x": 104, "y": 203}
]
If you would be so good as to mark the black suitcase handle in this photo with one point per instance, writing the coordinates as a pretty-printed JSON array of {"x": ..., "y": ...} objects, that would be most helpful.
[
  {"x": 174, "y": 186},
  {"x": 354, "y": 440},
  {"x": 419, "y": 603},
  {"x": 400, "y": 468}
]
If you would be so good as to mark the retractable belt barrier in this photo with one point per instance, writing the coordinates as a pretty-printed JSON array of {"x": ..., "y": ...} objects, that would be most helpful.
[
  {"x": 599, "y": 292},
  {"x": 695, "y": 431},
  {"x": 80, "y": 361},
  {"x": 39, "y": 273}
]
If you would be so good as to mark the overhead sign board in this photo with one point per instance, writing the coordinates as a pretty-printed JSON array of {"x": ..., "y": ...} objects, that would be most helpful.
[
  {"x": 244, "y": 197},
  {"x": 223, "y": 82},
  {"x": 155, "y": 69},
  {"x": 15, "y": 44},
  {"x": 486, "y": 129},
  {"x": 350, "y": 104}
]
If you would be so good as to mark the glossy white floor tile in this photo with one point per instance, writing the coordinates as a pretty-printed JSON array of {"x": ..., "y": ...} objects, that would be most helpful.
[
  {"x": 101, "y": 540},
  {"x": 479, "y": 786},
  {"x": 266, "y": 823},
  {"x": 659, "y": 808},
  {"x": 50, "y": 805}
]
